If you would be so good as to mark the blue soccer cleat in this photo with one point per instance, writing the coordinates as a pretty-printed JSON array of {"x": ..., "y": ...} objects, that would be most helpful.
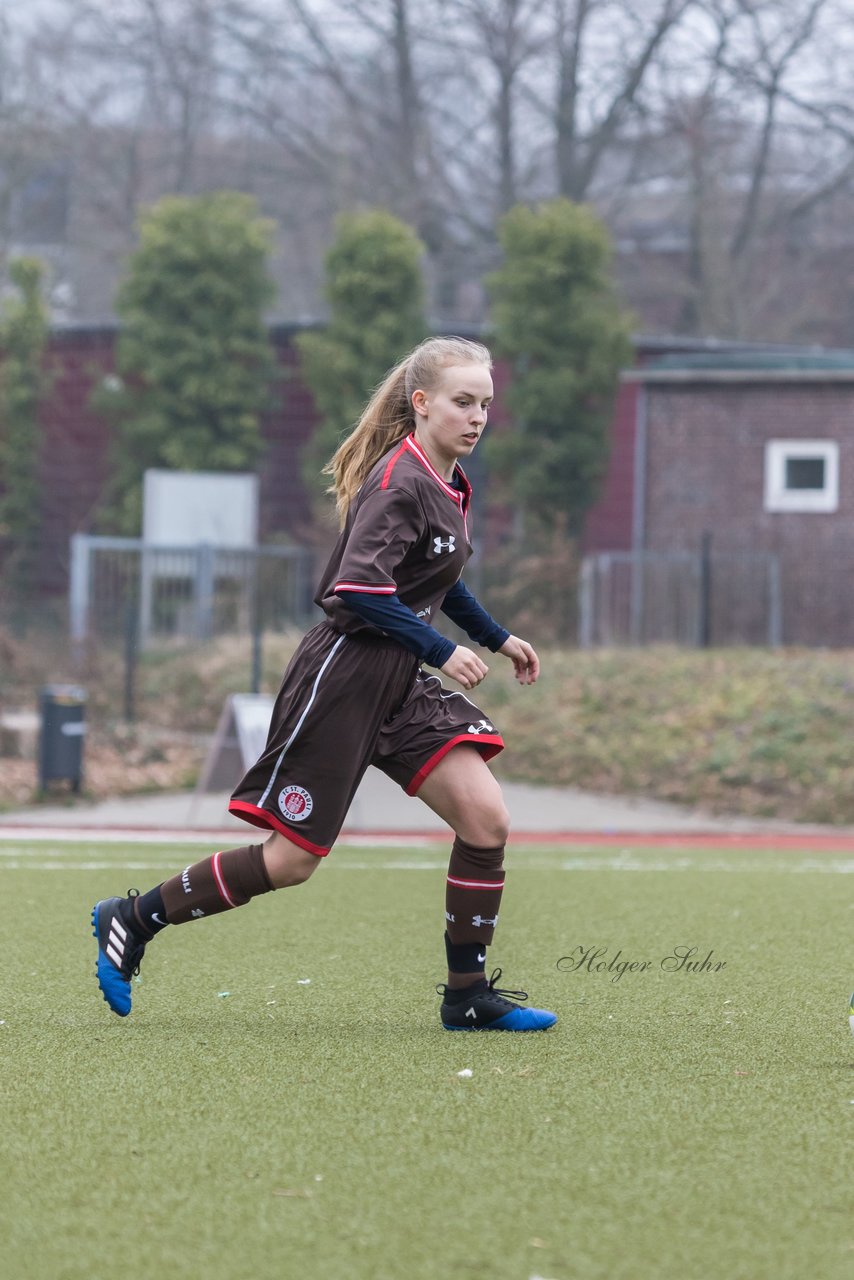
[
  {"x": 486, "y": 1008},
  {"x": 120, "y": 953}
]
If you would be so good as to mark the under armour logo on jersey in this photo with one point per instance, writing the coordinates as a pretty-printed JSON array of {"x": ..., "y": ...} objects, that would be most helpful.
[
  {"x": 483, "y": 726},
  {"x": 477, "y": 921},
  {"x": 444, "y": 544}
]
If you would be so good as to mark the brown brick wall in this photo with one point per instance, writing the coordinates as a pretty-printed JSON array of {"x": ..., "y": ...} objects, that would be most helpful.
[
  {"x": 609, "y": 523},
  {"x": 705, "y": 469}
]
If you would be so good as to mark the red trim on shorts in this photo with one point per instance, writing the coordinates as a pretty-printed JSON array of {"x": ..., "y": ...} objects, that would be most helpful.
[
  {"x": 263, "y": 818},
  {"x": 390, "y": 466},
  {"x": 488, "y": 744}
]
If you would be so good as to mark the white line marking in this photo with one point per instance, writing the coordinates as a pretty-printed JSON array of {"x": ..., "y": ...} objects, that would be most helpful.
[
  {"x": 23, "y": 845},
  {"x": 29, "y": 864},
  {"x": 706, "y": 864},
  {"x": 23, "y": 861},
  {"x": 120, "y": 835}
]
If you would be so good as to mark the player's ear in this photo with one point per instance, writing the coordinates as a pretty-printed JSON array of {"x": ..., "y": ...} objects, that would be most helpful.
[{"x": 420, "y": 403}]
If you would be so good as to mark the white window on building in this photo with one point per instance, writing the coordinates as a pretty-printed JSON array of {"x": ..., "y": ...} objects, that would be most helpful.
[{"x": 801, "y": 475}]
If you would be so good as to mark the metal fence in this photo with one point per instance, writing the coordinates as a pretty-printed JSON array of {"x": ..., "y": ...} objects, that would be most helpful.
[
  {"x": 683, "y": 598},
  {"x": 184, "y": 592}
]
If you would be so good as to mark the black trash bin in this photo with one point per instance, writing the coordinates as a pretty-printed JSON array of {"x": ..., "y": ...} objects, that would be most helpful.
[{"x": 63, "y": 728}]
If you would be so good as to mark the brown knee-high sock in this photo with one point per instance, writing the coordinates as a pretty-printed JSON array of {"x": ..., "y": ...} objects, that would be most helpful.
[
  {"x": 215, "y": 884},
  {"x": 473, "y": 892}
]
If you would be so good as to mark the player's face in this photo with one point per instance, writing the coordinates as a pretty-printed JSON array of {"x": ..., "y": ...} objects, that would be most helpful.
[{"x": 450, "y": 418}]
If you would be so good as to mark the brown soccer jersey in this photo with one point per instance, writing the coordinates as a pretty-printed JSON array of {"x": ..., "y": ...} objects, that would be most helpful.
[{"x": 406, "y": 534}]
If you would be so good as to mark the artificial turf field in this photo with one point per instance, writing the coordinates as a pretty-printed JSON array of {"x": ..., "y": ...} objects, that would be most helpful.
[{"x": 244, "y": 1122}]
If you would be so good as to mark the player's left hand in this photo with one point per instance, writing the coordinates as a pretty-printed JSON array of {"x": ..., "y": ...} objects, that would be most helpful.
[{"x": 526, "y": 664}]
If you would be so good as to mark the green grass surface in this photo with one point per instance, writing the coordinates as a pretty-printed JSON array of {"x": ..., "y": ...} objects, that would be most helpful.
[{"x": 672, "y": 1125}]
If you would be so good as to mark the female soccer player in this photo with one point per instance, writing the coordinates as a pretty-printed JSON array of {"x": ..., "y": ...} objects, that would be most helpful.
[{"x": 355, "y": 693}]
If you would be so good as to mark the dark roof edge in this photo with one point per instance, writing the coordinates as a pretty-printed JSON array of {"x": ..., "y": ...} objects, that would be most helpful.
[
  {"x": 110, "y": 324},
  {"x": 644, "y": 344},
  {"x": 693, "y": 376},
  {"x": 663, "y": 342}
]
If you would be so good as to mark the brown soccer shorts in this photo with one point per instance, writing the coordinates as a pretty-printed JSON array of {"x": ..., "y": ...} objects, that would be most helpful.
[{"x": 347, "y": 702}]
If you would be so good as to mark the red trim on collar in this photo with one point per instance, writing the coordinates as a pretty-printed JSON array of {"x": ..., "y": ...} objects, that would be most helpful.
[
  {"x": 460, "y": 497},
  {"x": 390, "y": 466}
]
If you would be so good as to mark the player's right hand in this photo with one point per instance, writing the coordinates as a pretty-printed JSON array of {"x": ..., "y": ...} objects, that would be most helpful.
[{"x": 465, "y": 667}]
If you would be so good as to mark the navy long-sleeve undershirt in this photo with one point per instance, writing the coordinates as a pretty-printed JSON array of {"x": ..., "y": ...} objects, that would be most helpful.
[{"x": 391, "y": 615}]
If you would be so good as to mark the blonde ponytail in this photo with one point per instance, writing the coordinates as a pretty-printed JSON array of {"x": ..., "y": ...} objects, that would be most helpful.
[
  {"x": 385, "y": 420},
  {"x": 388, "y": 416}
]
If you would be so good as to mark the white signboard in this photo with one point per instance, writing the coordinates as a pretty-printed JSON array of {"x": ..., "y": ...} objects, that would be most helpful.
[
  {"x": 184, "y": 508},
  {"x": 239, "y": 740}
]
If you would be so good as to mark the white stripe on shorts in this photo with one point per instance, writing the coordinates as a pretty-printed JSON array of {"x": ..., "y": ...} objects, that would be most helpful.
[{"x": 299, "y": 723}]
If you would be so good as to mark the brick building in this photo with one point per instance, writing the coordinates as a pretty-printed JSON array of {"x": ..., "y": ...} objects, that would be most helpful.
[
  {"x": 750, "y": 451},
  {"x": 751, "y": 444}
]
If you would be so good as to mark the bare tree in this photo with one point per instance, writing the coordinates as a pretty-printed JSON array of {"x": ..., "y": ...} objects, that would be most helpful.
[
  {"x": 772, "y": 55},
  {"x": 500, "y": 39},
  {"x": 338, "y": 93},
  {"x": 763, "y": 153},
  {"x": 716, "y": 137},
  {"x": 362, "y": 96},
  {"x": 605, "y": 54},
  {"x": 147, "y": 64},
  {"x": 33, "y": 188}
]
